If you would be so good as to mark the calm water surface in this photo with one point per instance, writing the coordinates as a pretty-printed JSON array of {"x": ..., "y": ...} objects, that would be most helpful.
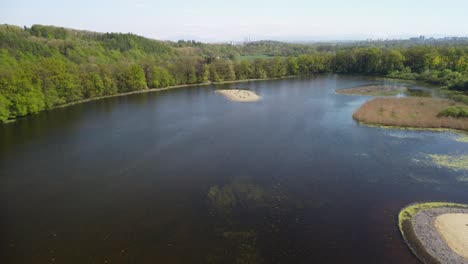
[{"x": 185, "y": 176}]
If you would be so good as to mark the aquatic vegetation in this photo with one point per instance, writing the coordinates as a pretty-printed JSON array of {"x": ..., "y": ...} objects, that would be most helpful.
[
  {"x": 242, "y": 246},
  {"x": 233, "y": 198},
  {"x": 463, "y": 138},
  {"x": 427, "y": 180},
  {"x": 462, "y": 179},
  {"x": 406, "y": 128},
  {"x": 245, "y": 242},
  {"x": 222, "y": 197},
  {"x": 452, "y": 162},
  {"x": 403, "y": 134},
  {"x": 238, "y": 193}
]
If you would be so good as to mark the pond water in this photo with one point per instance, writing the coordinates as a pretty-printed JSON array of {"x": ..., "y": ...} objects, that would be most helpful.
[{"x": 186, "y": 176}]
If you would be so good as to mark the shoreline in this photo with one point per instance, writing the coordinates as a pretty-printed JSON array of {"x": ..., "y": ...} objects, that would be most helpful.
[
  {"x": 411, "y": 128},
  {"x": 150, "y": 90},
  {"x": 424, "y": 239}
]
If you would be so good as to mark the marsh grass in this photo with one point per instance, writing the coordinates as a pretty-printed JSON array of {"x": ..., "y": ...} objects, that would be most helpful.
[{"x": 409, "y": 112}]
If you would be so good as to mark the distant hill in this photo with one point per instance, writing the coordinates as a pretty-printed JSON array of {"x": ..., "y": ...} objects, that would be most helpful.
[{"x": 42, "y": 67}]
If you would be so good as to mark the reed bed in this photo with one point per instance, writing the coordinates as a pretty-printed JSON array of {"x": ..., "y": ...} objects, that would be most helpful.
[{"x": 413, "y": 112}]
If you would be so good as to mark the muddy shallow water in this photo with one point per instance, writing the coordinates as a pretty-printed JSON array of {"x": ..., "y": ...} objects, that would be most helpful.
[{"x": 186, "y": 176}]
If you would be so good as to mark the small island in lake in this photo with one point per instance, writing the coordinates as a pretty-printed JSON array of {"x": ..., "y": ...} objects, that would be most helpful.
[
  {"x": 414, "y": 112},
  {"x": 374, "y": 90},
  {"x": 238, "y": 95},
  {"x": 436, "y": 232}
]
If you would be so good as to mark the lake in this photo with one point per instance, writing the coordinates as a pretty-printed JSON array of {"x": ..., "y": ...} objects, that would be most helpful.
[{"x": 186, "y": 176}]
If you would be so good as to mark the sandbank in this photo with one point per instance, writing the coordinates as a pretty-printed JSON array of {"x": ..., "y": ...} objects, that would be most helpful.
[
  {"x": 238, "y": 95},
  {"x": 454, "y": 230},
  {"x": 434, "y": 242}
]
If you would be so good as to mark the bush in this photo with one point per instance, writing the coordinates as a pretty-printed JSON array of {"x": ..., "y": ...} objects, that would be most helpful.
[
  {"x": 459, "y": 97},
  {"x": 459, "y": 85},
  {"x": 455, "y": 111},
  {"x": 4, "y": 109}
]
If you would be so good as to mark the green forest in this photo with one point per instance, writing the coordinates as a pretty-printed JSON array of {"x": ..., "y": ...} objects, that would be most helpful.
[{"x": 43, "y": 67}]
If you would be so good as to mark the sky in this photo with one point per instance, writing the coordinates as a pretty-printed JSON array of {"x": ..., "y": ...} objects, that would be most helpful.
[{"x": 218, "y": 20}]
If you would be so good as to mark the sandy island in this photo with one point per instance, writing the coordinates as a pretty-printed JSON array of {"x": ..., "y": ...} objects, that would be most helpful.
[
  {"x": 436, "y": 232},
  {"x": 374, "y": 90},
  {"x": 414, "y": 112},
  {"x": 237, "y": 95},
  {"x": 454, "y": 230}
]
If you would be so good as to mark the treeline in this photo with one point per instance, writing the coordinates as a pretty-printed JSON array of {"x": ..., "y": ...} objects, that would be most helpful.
[{"x": 43, "y": 66}]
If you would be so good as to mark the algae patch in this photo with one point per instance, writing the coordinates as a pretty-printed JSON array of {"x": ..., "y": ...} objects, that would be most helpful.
[
  {"x": 463, "y": 179},
  {"x": 238, "y": 193},
  {"x": 463, "y": 139},
  {"x": 448, "y": 161}
]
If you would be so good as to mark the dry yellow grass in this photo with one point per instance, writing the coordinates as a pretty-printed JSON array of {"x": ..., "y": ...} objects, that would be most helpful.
[{"x": 409, "y": 112}]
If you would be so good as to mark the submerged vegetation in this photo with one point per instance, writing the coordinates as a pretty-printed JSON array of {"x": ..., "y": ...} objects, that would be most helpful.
[
  {"x": 238, "y": 206},
  {"x": 409, "y": 112},
  {"x": 42, "y": 67},
  {"x": 238, "y": 193}
]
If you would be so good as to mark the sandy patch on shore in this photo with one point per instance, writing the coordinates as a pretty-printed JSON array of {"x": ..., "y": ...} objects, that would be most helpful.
[
  {"x": 239, "y": 95},
  {"x": 454, "y": 230}
]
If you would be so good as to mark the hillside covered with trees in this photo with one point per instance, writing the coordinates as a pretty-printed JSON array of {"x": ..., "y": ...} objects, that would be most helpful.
[{"x": 43, "y": 67}]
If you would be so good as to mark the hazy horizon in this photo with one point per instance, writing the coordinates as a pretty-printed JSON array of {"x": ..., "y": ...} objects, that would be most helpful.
[{"x": 211, "y": 21}]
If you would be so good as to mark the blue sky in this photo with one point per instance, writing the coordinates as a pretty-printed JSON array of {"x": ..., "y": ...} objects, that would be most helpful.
[{"x": 234, "y": 20}]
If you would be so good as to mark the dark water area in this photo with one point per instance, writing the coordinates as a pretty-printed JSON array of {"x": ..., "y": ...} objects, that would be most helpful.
[{"x": 186, "y": 176}]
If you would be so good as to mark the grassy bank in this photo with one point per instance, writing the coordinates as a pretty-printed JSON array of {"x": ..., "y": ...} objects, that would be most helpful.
[{"x": 409, "y": 112}]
